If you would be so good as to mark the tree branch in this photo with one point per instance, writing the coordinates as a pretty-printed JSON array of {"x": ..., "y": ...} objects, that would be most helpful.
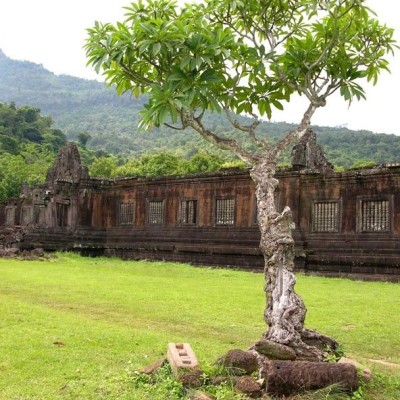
[
  {"x": 188, "y": 119},
  {"x": 135, "y": 76},
  {"x": 177, "y": 128},
  {"x": 297, "y": 133},
  {"x": 249, "y": 129}
]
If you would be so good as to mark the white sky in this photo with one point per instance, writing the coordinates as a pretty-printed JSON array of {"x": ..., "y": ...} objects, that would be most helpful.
[{"x": 53, "y": 32}]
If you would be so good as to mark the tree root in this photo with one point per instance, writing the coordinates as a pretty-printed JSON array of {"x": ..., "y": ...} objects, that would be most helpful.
[{"x": 307, "y": 345}]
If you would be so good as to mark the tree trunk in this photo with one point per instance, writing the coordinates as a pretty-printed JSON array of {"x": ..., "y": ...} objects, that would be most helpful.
[{"x": 285, "y": 311}]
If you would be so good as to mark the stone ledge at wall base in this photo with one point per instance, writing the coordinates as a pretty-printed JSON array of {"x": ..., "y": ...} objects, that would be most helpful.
[
  {"x": 95, "y": 244},
  {"x": 9, "y": 252},
  {"x": 356, "y": 270},
  {"x": 33, "y": 254},
  {"x": 12, "y": 236}
]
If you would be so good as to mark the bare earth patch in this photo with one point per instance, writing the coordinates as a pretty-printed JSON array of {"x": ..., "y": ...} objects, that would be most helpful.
[{"x": 384, "y": 363}]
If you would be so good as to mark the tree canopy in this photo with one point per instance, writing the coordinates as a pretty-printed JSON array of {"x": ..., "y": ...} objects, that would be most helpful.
[{"x": 240, "y": 57}]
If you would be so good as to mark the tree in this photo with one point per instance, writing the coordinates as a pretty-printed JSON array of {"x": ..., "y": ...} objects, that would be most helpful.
[
  {"x": 29, "y": 167},
  {"x": 83, "y": 138},
  {"x": 159, "y": 164},
  {"x": 205, "y": 162},
  {"x": 33, "y": 135},
  {"x": 252, "y": 56},
  {"x": 103, "y": 167}
]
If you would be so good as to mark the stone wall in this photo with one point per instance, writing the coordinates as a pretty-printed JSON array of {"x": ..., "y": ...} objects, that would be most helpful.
[{"x": 346, "y": 224}]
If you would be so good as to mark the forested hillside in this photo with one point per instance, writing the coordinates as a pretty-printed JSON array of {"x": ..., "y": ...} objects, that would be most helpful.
[
  {"x": 29, "y": 143},
  {"x": 86, "y": 108}
]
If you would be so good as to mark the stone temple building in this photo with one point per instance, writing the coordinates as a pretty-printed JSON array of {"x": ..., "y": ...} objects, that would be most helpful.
[{"x": 346, "y": 224}]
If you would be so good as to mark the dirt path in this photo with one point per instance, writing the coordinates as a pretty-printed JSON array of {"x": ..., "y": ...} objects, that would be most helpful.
[{"x": 384, "y": 363}]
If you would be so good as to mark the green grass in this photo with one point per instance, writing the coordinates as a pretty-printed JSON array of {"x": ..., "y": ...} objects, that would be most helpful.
[{"x": 76, "y": 328}]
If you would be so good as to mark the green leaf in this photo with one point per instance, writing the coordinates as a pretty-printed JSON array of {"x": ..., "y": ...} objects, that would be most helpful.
[
  {"x": 209, "y": 76},
  {"x": 177, "y": 75},
  {"x": 277, "y": 104},
  {"x": 155, "y": 49}
]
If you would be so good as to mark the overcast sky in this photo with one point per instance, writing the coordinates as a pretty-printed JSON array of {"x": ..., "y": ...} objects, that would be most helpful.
[{"x": 52, "y": 33}]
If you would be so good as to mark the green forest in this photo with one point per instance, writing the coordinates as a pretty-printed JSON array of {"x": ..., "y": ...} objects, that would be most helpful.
[
  {"x": 29, "y": 144},
  {"x": 40, "y": 111}
]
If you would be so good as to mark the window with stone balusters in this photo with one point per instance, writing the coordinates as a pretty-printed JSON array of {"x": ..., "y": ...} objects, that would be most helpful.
[
  {"x": 126, "y": 213},
  {"x": 155, "y": 212},
  {"x": 325, "y": 216},
  {"x": 225, "y": 211},
  {"x": 375, "y": 215}
]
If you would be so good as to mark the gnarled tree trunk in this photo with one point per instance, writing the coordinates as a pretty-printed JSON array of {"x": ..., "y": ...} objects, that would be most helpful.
[{"x": 285, "y": 311}]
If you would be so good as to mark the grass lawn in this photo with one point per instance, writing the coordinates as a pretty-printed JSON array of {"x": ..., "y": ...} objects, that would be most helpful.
[{"x": 76, "y": 328}]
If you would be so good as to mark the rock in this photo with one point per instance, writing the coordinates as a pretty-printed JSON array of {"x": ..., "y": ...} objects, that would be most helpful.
[
  {"x": 275, "y": 351},
  {"x": 239, "y": 362},
  {"x": 315, "y": 339},
  {"x": 249, "y": 386},
  {"x": 201, "y": 396},
  {"x": 285, "y": 378},
  {"x": 191, "y": 379},
  {"x": 38, "y": 252},
  {"x": 220, "y": 379},
  {"x": 366, "y": 372},
  {"x": 154, "y": 367},
  {"x": 11, "y": 252}
]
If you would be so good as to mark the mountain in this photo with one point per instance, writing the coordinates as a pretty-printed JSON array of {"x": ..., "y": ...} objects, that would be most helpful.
[
  {"x": 76, "y": 105},
  {"x": 87, "y": 106}
]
